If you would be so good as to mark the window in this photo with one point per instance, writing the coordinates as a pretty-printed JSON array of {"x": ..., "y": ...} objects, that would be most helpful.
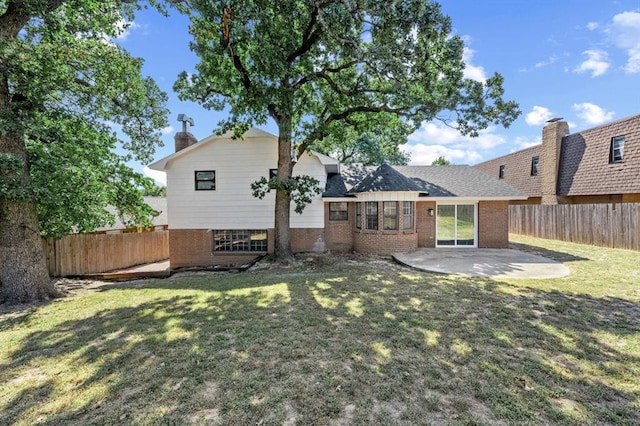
[
  {"x": 534, "y": 165},
  {"x": 358, "y": 215},
  {"x": 407, "y": 215},
  {"x": 501, "y": 172},
  {"x": 616, "y": 153},
  {"x": 205, "y": 180},
  {"x": 338, "y": 211},
  {"x": 273, "y": 173},
  {"x": 390, "y": 219},
  {"x": 371, "y": 216},
  {"x": 240, "y": 241}
]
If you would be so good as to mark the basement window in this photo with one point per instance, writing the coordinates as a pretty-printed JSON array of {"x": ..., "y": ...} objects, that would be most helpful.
[
  {"x": 239, "y": 240},
  {"x": 616, "y": 152},
  {"x": 534, "y": 165},
  {"x": 205, "y": 180}
]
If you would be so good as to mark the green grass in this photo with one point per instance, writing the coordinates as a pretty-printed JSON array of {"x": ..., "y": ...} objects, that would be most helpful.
[{"x": 355, "y": 342}]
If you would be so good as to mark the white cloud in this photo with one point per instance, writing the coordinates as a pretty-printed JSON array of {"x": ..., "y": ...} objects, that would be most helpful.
[
  {"x": 167, "y": 130},
  {"x": 592, "y": 114},
  {"x": 597, "y": 63},
  {"x": 625, "y": 33},
  {"x": 538, "y": 116},
  {"x": 471, "y": 71},
  {"x": 160, "y": 177},
  {"x": 552, "y": 59},
  {"x": 593, "y": 26},
  {"x": 123, "y": 29},
  {"x": 522, "y": 143},
  {"x": 434, "y": 139}
]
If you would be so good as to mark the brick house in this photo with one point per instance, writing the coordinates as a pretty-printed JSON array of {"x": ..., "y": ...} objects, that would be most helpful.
[
  {"x": 215, "y": 220},
  {"x": 598, "y": 165}
]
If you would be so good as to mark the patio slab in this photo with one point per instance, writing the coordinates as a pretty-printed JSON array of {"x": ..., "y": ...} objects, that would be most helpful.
[{"x": 495, "y": 263}]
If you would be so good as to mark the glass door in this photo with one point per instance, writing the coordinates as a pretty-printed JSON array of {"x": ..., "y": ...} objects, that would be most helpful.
[{"x": 456, "y": 225}]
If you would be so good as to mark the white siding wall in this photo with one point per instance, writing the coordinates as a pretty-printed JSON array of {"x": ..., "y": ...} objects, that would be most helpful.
[{"x": 231, "y": 206}]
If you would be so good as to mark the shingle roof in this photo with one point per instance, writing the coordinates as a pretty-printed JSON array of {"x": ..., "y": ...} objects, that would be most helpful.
[
  {"x": 436, "y": 181},
  {"x": 385, "y": 178}
]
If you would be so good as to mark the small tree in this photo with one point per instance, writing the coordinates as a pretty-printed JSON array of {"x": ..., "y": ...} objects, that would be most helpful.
[
  {"x": 440, "y": 161},
  {"x": 64, "y": 88},
  {"x": 318, "y": 67}
]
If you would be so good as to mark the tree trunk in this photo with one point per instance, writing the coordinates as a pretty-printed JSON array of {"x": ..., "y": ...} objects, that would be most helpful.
[
  {"x": 283, "y": 252},
  {"x": 23, "y": 268}
]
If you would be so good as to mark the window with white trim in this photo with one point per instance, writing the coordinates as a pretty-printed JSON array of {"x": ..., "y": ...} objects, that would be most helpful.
[
  {"x": 358, "y": 215},
  {"x": 616, "y": 152}
]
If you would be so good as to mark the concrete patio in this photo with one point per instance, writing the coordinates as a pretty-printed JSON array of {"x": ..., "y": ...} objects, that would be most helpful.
[{"x": 495, "y": 263}]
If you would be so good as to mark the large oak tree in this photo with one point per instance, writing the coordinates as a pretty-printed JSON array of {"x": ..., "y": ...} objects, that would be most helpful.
[
  {"x": 316, "y": 67},
  {"x": 69, "y": 96}
]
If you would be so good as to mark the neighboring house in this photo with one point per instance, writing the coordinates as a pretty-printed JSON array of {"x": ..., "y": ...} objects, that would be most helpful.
[
  {"x": 159, "y": 220},
  {"x": 598, "y": 165},
  {"x": 215, "y": 220}
]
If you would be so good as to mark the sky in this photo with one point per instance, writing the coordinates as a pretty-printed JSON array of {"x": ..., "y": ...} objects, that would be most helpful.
[{"x": 575, "y": 59}]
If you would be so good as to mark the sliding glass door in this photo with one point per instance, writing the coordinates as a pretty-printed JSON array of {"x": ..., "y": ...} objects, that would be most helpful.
[{"x": 456, "y": 225}]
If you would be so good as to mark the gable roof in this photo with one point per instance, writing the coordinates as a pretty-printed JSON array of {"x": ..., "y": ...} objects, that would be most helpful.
[
  {"x": 252, "y": 133},
  {"x": 435, "y": 181}
]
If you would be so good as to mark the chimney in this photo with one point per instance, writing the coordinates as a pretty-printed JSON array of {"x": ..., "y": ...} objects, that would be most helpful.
[
  {"x": 183, "y": 140},
  {"x": 552, "y": 135}
]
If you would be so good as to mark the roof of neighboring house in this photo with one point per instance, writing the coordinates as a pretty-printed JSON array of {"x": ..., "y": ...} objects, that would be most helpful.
[
  {"x": 584, "y": 160},
  {"x": 158, "y": 204},
  {"x": 517, "y": 171},
  {"x": 433, "y": 181},
  {"x": 584, "y": 167}
]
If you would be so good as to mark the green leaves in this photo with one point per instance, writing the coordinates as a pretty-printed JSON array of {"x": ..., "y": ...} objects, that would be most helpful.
[
  {"x": 72, "y": 95},
  {"x": 301, "y": 189}
]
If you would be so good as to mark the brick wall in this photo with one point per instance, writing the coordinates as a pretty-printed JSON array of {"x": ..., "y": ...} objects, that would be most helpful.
[
  {"x": 384, "y": 242},
  {"x": 493, "y": 224},
  {"x": 552, "y": 136},
  {"x": 308, "y": 239},
  {"x": 339, "y": 233},
  {"x": 425, "y": 224}
]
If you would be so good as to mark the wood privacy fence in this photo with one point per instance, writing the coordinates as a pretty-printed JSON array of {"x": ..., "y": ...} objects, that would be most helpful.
[
  {"x": 81, "y": 254},
  {"x": 95, "y": 253},
  {"x": 607, "y": 225}
]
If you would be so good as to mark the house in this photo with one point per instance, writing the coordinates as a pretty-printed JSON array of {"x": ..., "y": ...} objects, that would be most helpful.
[
  {"x": 598, "y": 165},
  {"x": 158, "y": 220},
  {"x": 215, "y": 220}
]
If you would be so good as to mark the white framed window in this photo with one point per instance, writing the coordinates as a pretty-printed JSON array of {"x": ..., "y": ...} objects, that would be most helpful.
[{"x": 616, "y": 152}]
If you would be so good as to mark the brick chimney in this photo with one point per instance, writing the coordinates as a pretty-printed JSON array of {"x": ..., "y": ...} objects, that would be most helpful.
[
  {"x": 183, "y": 140},
  {"x": 552, "y": 135}
]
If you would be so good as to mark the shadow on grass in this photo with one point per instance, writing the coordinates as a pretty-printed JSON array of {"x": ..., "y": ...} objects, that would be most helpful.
[
  {"x": 558, "y": 256},
  {"x": 317, "y": 347}
]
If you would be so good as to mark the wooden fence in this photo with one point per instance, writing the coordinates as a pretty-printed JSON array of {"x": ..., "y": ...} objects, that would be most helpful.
[
  {"x": 607, "y": 225},
  {"x": 81, "y": 254}
]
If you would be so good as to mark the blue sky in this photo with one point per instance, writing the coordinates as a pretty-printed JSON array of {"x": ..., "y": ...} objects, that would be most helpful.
[{"x": 576, "y": 59}]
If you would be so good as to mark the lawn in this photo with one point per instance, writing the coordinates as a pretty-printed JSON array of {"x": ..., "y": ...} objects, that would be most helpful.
[{"x": 334, "y": 340}]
